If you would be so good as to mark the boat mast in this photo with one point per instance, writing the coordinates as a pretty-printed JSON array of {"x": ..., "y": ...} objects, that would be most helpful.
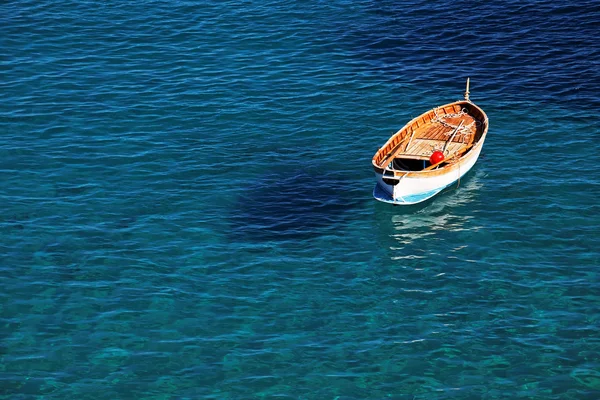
[{"x": 467, "y": 91}]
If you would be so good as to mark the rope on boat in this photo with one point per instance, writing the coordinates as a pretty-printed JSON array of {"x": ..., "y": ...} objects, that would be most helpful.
[
  {"x": 456, "y": 115},
  {"x": 464, "y": 132}
]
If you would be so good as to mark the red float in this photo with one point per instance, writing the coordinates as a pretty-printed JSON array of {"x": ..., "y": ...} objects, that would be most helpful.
[{"x": 436, "y": 157}]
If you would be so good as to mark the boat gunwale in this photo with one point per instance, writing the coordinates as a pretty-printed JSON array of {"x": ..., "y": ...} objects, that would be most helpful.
[{"x": 440, "y": 170}]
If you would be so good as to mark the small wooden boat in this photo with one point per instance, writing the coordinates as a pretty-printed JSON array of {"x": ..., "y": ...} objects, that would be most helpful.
[{"x": 430, "y": 153}]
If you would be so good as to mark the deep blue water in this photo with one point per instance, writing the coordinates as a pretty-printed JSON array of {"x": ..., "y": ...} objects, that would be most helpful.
[{"x": 186, "y": 206}]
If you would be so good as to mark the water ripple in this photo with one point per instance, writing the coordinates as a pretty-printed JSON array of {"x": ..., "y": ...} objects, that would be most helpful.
[{"x": 187, "y": 207}]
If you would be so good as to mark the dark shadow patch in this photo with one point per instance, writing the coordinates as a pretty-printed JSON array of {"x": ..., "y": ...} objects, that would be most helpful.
[
  {"x": 296, "y": 205},
  {"x": 66, "y": 190},
  {"x": 14, "y": 222}
]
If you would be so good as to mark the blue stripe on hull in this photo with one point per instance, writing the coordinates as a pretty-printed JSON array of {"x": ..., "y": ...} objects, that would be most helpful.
[{"x": 381, "y": 195}]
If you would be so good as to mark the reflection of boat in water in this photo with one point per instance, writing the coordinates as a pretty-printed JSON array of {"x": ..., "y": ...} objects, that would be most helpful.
[
  {"x": 429, "y": 219},
  {"x": 430, "y": 153}
]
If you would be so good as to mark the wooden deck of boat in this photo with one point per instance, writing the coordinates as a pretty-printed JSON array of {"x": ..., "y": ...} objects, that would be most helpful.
[{"x": 434, "y": 136}]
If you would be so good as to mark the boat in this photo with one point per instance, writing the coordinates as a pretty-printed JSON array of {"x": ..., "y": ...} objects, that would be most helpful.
[{"x": 430, "y": 153}]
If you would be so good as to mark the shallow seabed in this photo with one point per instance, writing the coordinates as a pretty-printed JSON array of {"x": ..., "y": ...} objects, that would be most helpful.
[{"x": 187, "y": 204}]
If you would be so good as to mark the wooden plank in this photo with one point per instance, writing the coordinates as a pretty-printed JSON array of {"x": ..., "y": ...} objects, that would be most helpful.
[
  {"x": 412, "y": 136},
  {"x": 414, "y": 157},
  {"x": 454, "y": 147},
  {"x": 430, "y": 132},
  {"x": 452, "y": 136},
  {"x": 423, "y": 147},
  {"x": 411, "y": 150},
  {"x": 420, "y": 149},
  {"x": 440, "y": 133}
]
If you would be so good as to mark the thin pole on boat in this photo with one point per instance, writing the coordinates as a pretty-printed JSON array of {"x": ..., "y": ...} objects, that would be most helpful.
[
  {"x": 452, "y": 137},
  {"x": 467, "y": 91},
  {"x": 458, "y": 153},
  {"x": 410, "y": 140},
  {"x": 395, "y": 150}
]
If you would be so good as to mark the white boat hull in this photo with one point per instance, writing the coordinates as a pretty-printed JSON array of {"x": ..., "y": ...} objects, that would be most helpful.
[{"x": 416, "y": 187}]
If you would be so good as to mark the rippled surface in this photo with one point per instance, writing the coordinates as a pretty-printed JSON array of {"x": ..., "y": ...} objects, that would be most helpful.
[{"x": 187, "y": 211}]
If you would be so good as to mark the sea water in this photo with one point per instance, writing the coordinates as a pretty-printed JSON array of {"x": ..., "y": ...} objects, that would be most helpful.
[{"x": 187, "y": 211}]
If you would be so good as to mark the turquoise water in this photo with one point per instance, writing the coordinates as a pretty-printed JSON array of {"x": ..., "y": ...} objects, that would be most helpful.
[{"x": 187, "y": 204}]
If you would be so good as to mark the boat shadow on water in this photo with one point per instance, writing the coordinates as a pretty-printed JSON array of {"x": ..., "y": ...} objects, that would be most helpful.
[{"x": 294, "y": 206}]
